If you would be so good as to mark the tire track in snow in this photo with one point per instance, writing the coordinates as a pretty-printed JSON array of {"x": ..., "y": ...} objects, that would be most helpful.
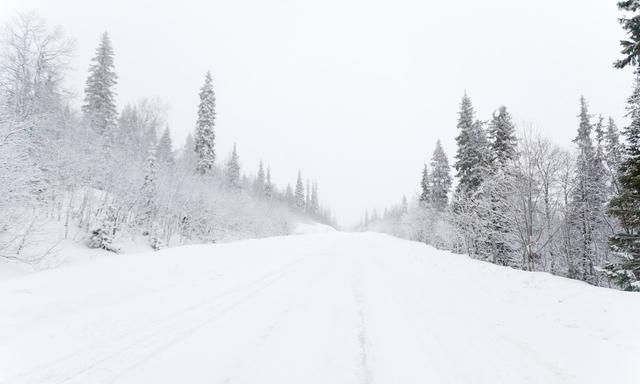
[
  {"x": 363, "y": 341},
  {"x": 154, "y": 341}
]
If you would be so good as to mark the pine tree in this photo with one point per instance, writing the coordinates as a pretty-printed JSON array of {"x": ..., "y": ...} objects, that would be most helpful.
[
  {"x": 232, "y": 170},
  {"x": 502, "y": 138},
  {"x": 631, "y": 25},
  {"x": 405, "y": 205},
  {"x": 625, "y": 205},
  {"x": 165, "y": 150},
  {"x": 471, "y": 157},
  {"x": 205, "y": 134},
  {"x": 502, "y": 151},
  {"x": 99, "y": 101},
  {"x": 268, "y": 186},
  {"x": 425, "y": 186},
  {"x": 440, "y": 178},
  {"x": 299, "y": 193}
]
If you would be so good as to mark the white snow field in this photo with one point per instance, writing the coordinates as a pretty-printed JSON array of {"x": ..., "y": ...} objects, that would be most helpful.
[{"x": 325, "y": 308}]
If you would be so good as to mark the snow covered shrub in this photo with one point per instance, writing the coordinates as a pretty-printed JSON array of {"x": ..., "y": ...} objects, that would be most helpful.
[{"x": 103, "y": 236}]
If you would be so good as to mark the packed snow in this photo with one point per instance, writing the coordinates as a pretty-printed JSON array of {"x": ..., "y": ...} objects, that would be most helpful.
[{"x": 317, "y": 308}]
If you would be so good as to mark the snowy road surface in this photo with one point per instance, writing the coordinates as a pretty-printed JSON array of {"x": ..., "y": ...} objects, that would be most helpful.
[{"x": 321, "y": 308}]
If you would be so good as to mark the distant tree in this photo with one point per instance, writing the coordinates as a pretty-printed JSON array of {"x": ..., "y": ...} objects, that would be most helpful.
[
  {"x": 268, "y": 186},
  {"x": 299, "y": 193},
  {"x": 99, "y": 101},
  {"x": 165, "y": 150},
  {"x": 149, "y": 193},
  {"x": 260, "y": 183},
  {"x": 425, "y": 186},
  {"x": 289, "y": 197},
  {"x": 405, "y": 205},
  {"x": 440, "y": 178},
  {"x": 315, "y": 203},
  {"x": 232, "y": 170},
  {"x": 205, "y": 134}
]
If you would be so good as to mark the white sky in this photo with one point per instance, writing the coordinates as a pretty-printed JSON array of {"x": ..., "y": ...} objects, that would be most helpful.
[{"x": 353, "y": 92}]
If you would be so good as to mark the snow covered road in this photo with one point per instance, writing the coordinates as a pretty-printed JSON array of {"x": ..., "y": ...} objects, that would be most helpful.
[{"x": 319, "y": 308}]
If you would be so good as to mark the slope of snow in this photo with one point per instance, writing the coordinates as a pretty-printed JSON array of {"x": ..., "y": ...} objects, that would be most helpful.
[{"x": 318, "y": 308}]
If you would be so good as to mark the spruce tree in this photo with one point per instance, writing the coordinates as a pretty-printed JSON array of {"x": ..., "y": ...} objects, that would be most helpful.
[
  {"x": 425, "y": 186},
  {"x": 625, "y": 205},
  {"x": 299, "y": 193},
  {"x": 472, "y": 155},
  {"x": 232, "y": 170},
  {"x": 502, "y": 138},
  {"x": 440, "y": 178},
  {"x": 205, "y": 134},
  {"x": 631, "y": 25},
  {"x": 99, "y": 102}
]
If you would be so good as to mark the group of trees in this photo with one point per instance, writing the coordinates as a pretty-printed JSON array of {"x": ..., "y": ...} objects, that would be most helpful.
[
  {"x": 110, "y": 174},
  {"x": 527, "y": 203},
  {"x": 521, "y": 201}
]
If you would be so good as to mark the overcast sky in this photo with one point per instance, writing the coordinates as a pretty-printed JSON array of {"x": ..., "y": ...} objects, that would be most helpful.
[{"x": 353, "y": 92}]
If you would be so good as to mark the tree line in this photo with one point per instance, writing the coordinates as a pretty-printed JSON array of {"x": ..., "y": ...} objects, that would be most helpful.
[{"x": 104, "y": 174}]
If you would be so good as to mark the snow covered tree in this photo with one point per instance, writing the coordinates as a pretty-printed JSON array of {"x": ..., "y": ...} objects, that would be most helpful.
[
  {"x": 502, "y": 138},
  {"x": 472, "y": 156},
  {"x": 299, "y": 193},
  {"x": 625, "y": 205},
  {"x": 149, "y": 194},
  {"x": 165, "y": 150},
  {"x": 631, "y": 25},
  {"x": 104, "y": 235},
  {"x": 440, "y": 178},
  {"x": 205, "y": 134},
  {"x": 232, "y": 170},
  {"x": 99, "y": 101},
  {"x": 613, "y": 155},
  {"x": 425, "y": 186},
  {"x": 268, "y": 186},
  {"x": 587, "y": 201}
]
